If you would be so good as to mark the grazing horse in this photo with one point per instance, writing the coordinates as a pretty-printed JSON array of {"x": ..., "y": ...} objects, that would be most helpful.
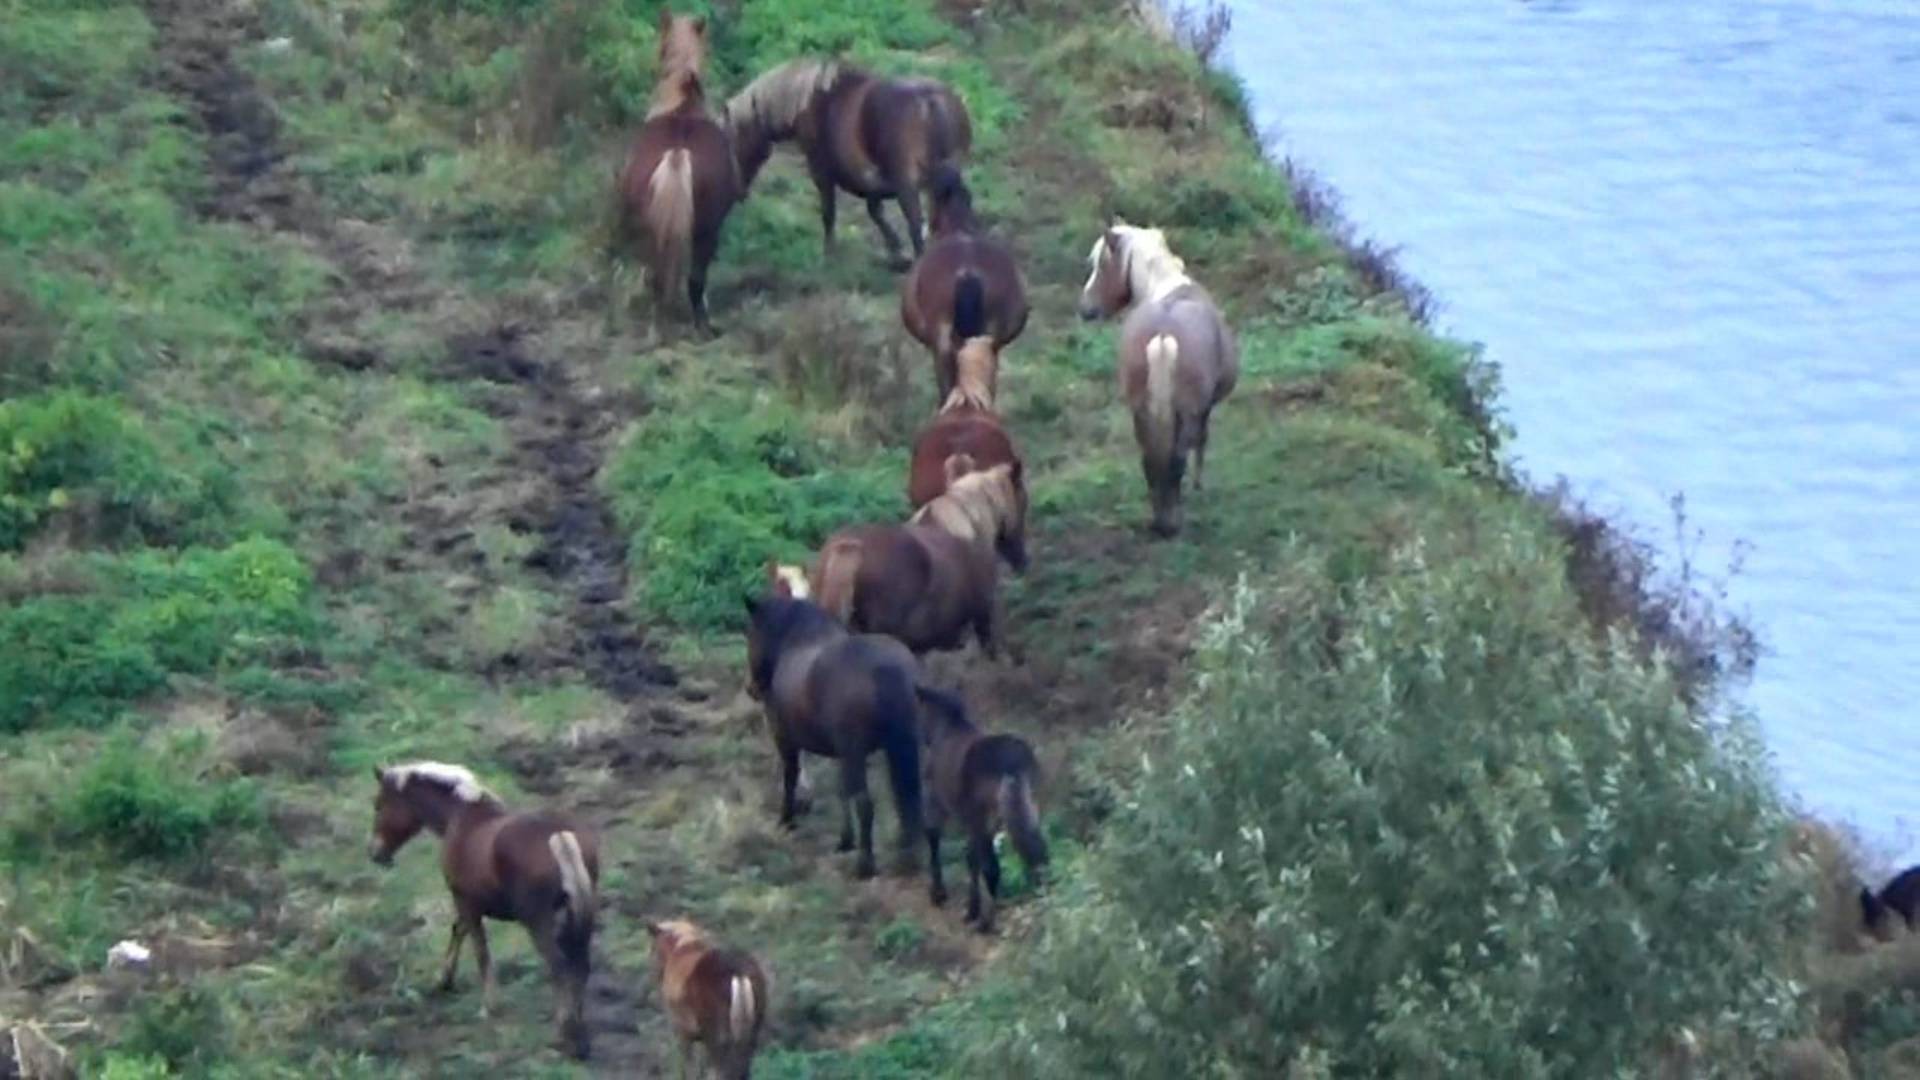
[
  {"x": 1900, "y": 897},
  {"x": 680, "y": 179},
  {"x": 966, "y": 424},
  {"x": 839, "y": 695},
  {"x": 965, "y": 285},
  {"x": 537, "y": 869},
  {"x": 985, "y": 781},
  {"x": 714, "y": 996},
  {"x": 1178, "y": 358},
  {"x": 879, "y": 138},
  {"x": 929, "y": 581}
]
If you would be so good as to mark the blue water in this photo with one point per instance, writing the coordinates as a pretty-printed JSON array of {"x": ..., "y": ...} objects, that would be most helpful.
[{"x": 1690, "y": 236}]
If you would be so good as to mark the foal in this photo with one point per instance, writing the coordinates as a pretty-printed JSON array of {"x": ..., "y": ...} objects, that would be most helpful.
[
  {"x": 537, "y": 869},
  {"x": 930, "y": 581},
  {"x": 986, "y": 781},
  {"x": 1178, "y": 359},
  {"x": 965, "y": 285},
  {"x": 839, "y": 695},
  {"x": 966, "y": 424},
  {"x": 714, "y": 996}
]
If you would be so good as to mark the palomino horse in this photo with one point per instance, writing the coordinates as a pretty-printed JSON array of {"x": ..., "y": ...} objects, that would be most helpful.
[
  {"x": 986, "y": 781},
  {"x": 1178, "y": 358},
  {"x": 930, "y": 581},
  {"x": 537, "y": 869},
  {"x": 966, "y": 424},
  {"x": 680, "y": 180},
  {"x": 878, "y": 138},
  {"x": 840, "y": 695},
  {"x": 965, "y": 285},
  {"x": 714, "y": 996}
]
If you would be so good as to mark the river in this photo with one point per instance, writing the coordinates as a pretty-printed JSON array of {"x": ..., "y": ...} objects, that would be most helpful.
[{"x": 1690, "y": 237}]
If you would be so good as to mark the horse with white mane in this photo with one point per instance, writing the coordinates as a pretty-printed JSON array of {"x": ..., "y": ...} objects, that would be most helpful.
[{"x": 1177, "y": 356}]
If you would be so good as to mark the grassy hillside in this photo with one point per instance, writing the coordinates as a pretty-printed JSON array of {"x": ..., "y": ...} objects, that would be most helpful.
[{"x": 332, "y": 437}]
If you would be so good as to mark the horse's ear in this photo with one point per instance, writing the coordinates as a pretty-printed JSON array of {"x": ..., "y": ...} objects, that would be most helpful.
[
  {"x": 958, "y": 466},
  {"x": 1016, "y": 471},
  {"x": 700, "y": 25},
  {"x": 380, "y": 775},
  {"x": 666, "y": 19},
  {"x": 653, "y": 928}
]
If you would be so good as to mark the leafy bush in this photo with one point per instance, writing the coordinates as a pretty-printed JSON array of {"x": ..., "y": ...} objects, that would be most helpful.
[
  {"x": 78, "y": 659},
  {"x": 1427, "y": 831},
  {"x": 181, "y": 1027},
  {"x": 771, "y": 32},
  {"x": 708, "y": 500},
  {"x": 155, "y": 803}
]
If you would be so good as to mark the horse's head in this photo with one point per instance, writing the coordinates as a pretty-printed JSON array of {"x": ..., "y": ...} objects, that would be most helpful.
[
  {"x": 952, "y": 202},
  {"x": 683, "y": 42},
  {"x": 395, "y": 819},
  {"x": 1109, "y": 287}
]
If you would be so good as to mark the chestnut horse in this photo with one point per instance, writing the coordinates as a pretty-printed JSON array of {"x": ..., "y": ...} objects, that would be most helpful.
[
  {"x": 966, "y": 424},
  {"x": 839, "y": 695},
  {"x": 680, "y": 180},
  {"x": 965, "y": 285},
  {"x": 878, "y": 138},
  {"x": 1177, "y": 357},
  {"x": 930, "y": 581},
  {"x": 537, "y": 869},
  {"x": 714, "y": 996},
  {"x": 985, "y": 781}
]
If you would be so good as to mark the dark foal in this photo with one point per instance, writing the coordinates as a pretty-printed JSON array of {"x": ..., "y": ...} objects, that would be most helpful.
[
  {"x": 986, "y": 783},
  {"x": 839, "y": 695},
  {"x": 1901, "y": 897},
  {"x": 533, "y": 868}
]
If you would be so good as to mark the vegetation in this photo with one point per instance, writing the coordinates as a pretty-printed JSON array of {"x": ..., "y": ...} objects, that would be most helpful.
[{"x": 331, "y": 436}]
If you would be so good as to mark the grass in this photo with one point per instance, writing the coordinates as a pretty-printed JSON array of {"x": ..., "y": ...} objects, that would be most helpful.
[{"x": 321, "y": 468}]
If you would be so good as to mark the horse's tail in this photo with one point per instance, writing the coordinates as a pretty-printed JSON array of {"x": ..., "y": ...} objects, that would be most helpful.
[
  {"x": 669, "y": 219},
  {"x": 576, "y": 897},
  {"x": 900, "y": 735},
  {"x": 1009, "y": 757},
  {"x": 1163, "y": 363},
  {"x": 741, "y": 1008},
  {"x": 836, "y": 576},
  {"x": 969, "y": 306}
]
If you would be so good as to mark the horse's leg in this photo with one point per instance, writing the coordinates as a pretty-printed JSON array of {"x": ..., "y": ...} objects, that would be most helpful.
[
  {"x": 484, "y": 960},
  {"x": 789, "y": 779},
  {"x": 705, "y": 244},
  {"x": 454, "y": 939},
  {"x": 937, "y": 891},
  {"x": 910, "y": 206},
  {"x": 989, "y": 869},
  {"x": 686, "y": 1057},
  {"x": 877, "y": 210},
  {"x": 988, "y": 624},
  {"x": 829, "y": 205},
  {"x": 1200, "y": 451},
  {"x": 853, "y": 789},
  {"x": 973, "y": 877}
]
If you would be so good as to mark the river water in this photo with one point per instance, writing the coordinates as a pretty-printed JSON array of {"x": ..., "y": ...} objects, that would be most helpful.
[{"x": 1689, "y": 234}]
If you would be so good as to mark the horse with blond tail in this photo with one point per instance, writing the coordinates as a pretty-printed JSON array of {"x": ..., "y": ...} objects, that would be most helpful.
[
  {"x": 715, "y": 996},
  {"x": 680, "y": 179},
  {"x": 1177, "y": 356},
  {"x": 966, "y": 286}
]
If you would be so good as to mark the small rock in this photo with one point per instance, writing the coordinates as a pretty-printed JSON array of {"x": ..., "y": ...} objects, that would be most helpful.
[
  {"x": 278, "y": 45},
  {"x": 129, "y": 954}
]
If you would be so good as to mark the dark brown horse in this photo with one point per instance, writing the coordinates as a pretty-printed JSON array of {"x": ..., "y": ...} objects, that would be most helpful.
[
  {"x": 1178, "y": 358},
  {"x": 985, "y": 782},
  {"x": 537, "y": 869},
  {"x": 966, "y": 425},
  {"x": 965, "y": 285},
  {"x": 931, "y": 581},
  {"x": 680, "y": 179},
  {"x": 715, "y": 996},
  {"x": 840, "y": 695},
  {"x": 878, "y": 138}
]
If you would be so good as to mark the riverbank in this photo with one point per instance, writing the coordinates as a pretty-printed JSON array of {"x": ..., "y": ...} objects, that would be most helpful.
[{"x": 344, "y": 447}]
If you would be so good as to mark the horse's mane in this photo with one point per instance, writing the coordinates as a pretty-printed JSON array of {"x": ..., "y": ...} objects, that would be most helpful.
[
  {"x": 769, "y": 107},
  {"x": 675, "y": 90},
  {"x": 458, "y": 780},
  {"x": 1151, "y": 267},
  {"x": 681, "y": 931},
  {"x": 973, "y": 505}
]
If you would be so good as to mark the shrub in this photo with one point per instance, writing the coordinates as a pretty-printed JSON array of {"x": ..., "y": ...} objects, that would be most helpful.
[
  {"x": 182, "y": 1026},
  {"x": 772, "y": 32},
  {"x": 148, "y": 803},
  {"x": 1428, "y": 830}
]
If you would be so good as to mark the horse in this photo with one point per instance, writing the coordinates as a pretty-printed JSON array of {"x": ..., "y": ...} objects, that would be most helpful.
[
  {"x": 831, "y": 692},
  {"x": 984, "y": 781},
  {"x": 538, "y": 869},
  {"x": 714, "y": 996},
  {"x": 964, "y": 285},
  {"x": 1177, "y": 356},
  {"x": 1901, "y": 896},
  {"x": 680, "y": 179},
  {"x": 878, "y": 138},
  {"x": 929, "y": 581},
  {"x": 966, "y": 424}
]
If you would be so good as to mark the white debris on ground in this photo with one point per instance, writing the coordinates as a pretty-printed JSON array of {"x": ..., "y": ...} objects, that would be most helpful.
[{"x": 129, "y": 954}]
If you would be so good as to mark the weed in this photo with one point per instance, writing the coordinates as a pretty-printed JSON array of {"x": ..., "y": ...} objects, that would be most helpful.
[{"x": 158, "y": 803}]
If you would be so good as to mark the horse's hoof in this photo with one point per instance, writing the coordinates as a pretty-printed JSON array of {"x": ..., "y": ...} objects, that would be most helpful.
[
  {"x": 863, "y": 869},
  {"x": 939, "y": 897},
  {"x": 845, "y": 845}
]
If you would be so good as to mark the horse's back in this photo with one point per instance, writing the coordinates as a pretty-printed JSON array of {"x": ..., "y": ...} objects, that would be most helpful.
[
  {"x": 976, "y": 434},
  {"x": 914, "y": 114},
  {"x": 1207, "y": 358},
  {"x": 716, "y": 184},
  {"x": 937, "y": 273},
  {"x": 851, "y": 681}
]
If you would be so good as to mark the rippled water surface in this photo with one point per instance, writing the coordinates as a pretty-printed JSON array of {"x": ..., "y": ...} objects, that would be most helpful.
[{"x": 1690, "y": 235}]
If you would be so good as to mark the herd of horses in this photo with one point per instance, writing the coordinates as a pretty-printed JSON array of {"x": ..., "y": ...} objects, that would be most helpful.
[{"x": 835, "y": 651}]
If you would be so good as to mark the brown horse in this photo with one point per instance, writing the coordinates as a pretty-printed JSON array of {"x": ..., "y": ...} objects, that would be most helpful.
[
  {"x": 930, "y": 581},
  {"x": 537, "y": 869},
  {"x": 966, "y": 424},
  {"x": 965, "y": 285},
  {"x": 714, "y": 996},
  {"x": 985, "y": 781},
  {"x": 680, "y": 180},
  {"x": 840, "y": 695},
  {"x": 878, "y": 138},
  {"x": 1178, "y": 358}
]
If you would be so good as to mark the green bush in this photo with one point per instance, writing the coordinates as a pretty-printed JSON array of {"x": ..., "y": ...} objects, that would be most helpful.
[
  {"x": 771, "y": 32},
  {"x": 147, "y": 803},
  {"x": 121, "y": 1066},
  {"x": 709, "y": 500},
  {"x": 79, "y": 659},
  {"x": 181, "y": 1027},
  {"x": 1425, "y": 831}
]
